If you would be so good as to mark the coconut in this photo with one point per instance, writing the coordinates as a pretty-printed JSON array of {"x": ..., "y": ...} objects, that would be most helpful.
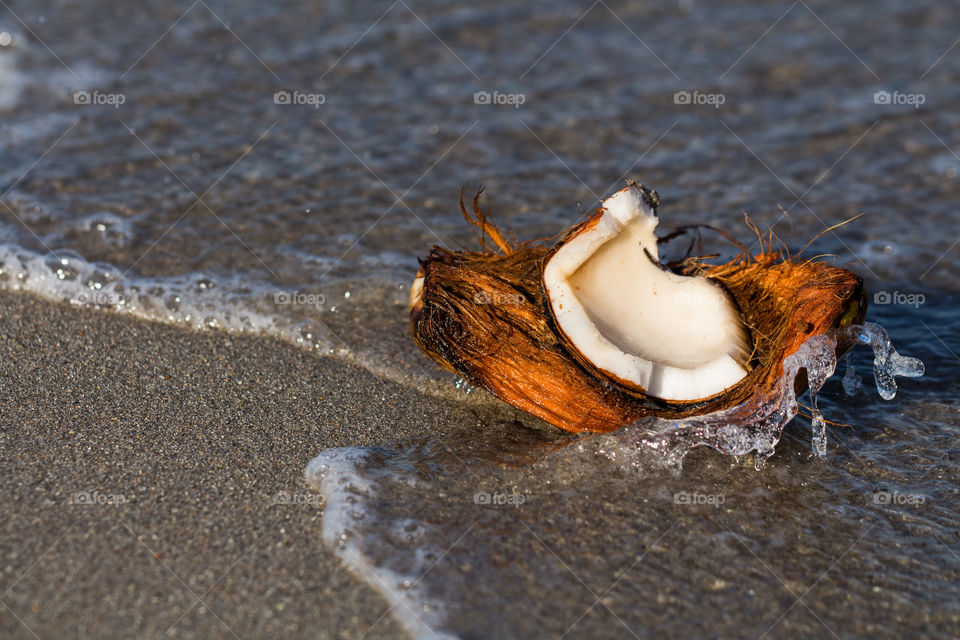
[{"x": 594, "y": 332}]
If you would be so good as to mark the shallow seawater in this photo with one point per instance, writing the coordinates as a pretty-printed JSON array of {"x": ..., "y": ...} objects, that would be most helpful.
[
  {"x": 497, "y": 535},
  {"x": 160, "y": 171}
]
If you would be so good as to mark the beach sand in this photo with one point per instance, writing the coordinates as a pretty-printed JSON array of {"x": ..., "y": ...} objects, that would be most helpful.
[{"x": 194, "y": 434}]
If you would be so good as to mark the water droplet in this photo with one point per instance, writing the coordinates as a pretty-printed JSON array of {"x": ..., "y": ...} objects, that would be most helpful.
[
  {"x": 887, "y": 363},
  {"x": 819, "y": 438},
  {"x": 851, "y": 381}
]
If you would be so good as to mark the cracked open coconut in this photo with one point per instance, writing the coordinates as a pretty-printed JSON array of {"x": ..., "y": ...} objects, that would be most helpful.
[{"x": 596, "y": 332}]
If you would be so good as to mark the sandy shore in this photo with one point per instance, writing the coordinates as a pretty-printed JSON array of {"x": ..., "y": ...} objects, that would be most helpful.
[{"x": 178, "y": 442}]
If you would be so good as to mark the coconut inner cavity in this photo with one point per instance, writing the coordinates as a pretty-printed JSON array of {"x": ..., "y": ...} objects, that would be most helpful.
[{"x": 676, "y": 337}]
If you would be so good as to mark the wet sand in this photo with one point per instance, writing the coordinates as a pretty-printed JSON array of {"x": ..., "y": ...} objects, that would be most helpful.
[{"x": 179, "y": 442}]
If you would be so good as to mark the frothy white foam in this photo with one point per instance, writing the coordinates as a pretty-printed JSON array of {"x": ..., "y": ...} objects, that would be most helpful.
[
  {"x": 392, "y": 560},
  {"x": 194, "y": 300}
]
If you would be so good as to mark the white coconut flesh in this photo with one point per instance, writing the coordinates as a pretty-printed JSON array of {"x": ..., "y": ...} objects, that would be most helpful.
[{"x": 676, "y": 337}]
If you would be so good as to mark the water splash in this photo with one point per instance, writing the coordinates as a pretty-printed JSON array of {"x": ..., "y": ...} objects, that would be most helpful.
[
  {"x": 757, "y": 424},
  {"x": 887, "y": 363}
]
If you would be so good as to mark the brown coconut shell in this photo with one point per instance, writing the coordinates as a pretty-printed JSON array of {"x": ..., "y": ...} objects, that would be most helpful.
[{"x": 484, "y": 315}]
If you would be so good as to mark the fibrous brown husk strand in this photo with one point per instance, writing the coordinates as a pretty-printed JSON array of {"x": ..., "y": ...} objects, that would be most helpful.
[{"x": 484, "y": 316}]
